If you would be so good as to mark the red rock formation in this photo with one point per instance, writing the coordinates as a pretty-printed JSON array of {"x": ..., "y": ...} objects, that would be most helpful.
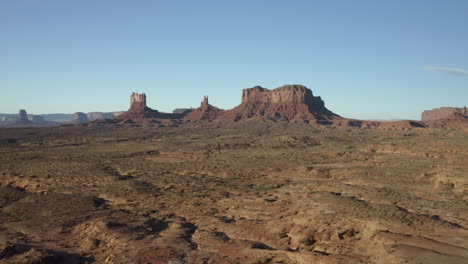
[
  {"x": 445, "y": 114},
  {"x": 290, "y": 102},
  {"x": 204, "y": 112},
  {"x": 138, "y": 109}
]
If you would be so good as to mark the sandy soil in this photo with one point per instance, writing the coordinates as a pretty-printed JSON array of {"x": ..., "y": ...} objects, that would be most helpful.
[{"x": 255, "y": 192}]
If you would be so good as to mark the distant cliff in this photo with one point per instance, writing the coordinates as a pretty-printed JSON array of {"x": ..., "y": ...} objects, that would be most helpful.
[
  {"x": 289, "y": 102},
  {"x": 445, "y": 113}
]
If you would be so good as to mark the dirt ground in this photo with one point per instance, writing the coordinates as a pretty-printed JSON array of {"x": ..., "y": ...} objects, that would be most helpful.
[{"x": 254, "y": 192}]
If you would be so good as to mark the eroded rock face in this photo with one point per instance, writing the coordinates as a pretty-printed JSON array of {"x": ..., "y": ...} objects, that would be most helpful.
[
  {"x": 138, "y": 108},
  {"x": 445, "y": 113},
  {"x": 137, "y": 102},
  {"x": 289, "y": 102},
  {"x": 79, "y": 117},
  {"x": 286, "y": 102}
]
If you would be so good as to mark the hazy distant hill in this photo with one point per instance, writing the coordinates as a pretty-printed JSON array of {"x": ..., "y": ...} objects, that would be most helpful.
[{"x": 58, "y": 117}]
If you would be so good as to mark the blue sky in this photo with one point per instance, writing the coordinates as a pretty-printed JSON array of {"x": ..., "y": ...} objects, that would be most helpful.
[{"x": 367, "y": 59}]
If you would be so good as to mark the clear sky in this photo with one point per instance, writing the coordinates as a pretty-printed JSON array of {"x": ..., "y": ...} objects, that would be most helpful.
[{"x": 368, "y": 59}]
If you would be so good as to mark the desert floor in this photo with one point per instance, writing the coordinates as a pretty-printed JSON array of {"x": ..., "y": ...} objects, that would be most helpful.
[{"x": 254, "y": 192}]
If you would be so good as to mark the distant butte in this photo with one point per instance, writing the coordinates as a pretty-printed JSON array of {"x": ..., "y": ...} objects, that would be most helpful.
[
  {"x": 288, "y": 102},
  {"x": 138, "y": 109},
  {"x": 204, "y": 112},
  {"x": 445, "y": 114}
]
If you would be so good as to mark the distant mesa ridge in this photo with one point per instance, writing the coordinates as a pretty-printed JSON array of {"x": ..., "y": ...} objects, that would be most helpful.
[
  {"x": 292, "y": 103},
  {"x": 286, "y": 102},
  {"x": 289, "y": 102},
  {"x": 445, "y": 114}
]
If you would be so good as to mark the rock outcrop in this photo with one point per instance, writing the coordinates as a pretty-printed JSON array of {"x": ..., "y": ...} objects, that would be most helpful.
[
  {"x": 79, "y": 117},
  {"x": 204, "y": 112},
  {"x": 138, "y": 109},
  {"x": 23, "y": 117},
  {"x": 140, "y": 114},
  {"x": 99, "y": 115},
  {"x": 289, "y": 102},
  {"x": 445, "y": 114}
]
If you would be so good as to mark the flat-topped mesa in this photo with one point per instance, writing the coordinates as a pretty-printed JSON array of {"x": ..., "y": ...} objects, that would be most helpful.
[
  {"x": 445, "y": 114},
  {"x": 288, "y": 102}
]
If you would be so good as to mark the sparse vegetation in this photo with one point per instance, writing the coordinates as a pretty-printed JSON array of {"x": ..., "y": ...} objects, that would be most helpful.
[{"x": 110, "y": 193}]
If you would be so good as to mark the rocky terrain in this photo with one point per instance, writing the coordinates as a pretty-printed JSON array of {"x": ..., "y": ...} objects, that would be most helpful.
[
  {"x": 257, "y": 191},
  {"x": 278, "y": 179}
]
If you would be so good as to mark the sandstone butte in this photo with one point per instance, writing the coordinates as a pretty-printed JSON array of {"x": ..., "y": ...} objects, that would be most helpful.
[
  {"x": 22, "y": 118},
  {"x": 292, "y": 103},
  {"x": 445, "y": 113},
  {"x": 204, "y": 112},
  {"x": 289, "y": 102}
]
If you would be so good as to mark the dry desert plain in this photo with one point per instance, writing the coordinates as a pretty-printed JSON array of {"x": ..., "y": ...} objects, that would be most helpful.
[{"x": 255, "y": 192}]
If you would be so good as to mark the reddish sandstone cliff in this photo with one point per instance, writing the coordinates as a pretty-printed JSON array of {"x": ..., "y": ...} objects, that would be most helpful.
[
  {"x": 290, "y": 102},
  {"x": 138, "y": 109},
  {"x": 445, "y": 114}
]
